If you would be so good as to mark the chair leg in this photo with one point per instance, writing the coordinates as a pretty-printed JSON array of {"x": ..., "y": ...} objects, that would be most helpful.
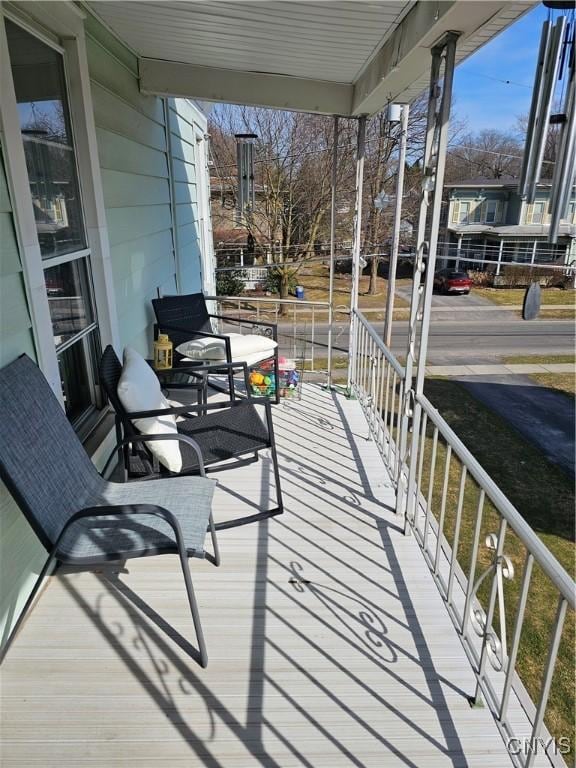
[
  {"x": 193, "y": 606},
  {"x": 215, "y": 547},
  {"x": 276, "y": 476}
]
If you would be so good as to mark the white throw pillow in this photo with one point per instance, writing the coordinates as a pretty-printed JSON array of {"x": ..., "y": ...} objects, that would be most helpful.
[
  {"x": 244, "y": 348},
  {"x": 139, "y": 390}
]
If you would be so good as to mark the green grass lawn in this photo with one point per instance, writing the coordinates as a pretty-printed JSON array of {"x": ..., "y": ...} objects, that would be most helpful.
[
  {"x": 541, "y": 359},
  {"x": 550, "y": 299},
  {"x": 544, "y": 496},
  {"x": 563, "y": 382}
]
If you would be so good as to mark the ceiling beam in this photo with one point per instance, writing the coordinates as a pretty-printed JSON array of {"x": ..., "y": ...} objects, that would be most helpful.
[
  {"x": 405, "y": 57},
  {"x": 169, "y": 78}
]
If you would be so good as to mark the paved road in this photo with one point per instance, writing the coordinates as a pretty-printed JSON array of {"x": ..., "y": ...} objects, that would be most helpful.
[
  {"x": 465, "y": 341},
  {"x": 545, "y": 417}
]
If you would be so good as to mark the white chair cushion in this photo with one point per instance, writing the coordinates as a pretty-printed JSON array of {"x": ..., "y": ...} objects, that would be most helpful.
[
  {"x": 139, "y": 390},
  {"x": 249, "y": 348}
]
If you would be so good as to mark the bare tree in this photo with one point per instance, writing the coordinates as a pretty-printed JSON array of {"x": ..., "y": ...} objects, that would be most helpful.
[{"x": 293, "y": 176}]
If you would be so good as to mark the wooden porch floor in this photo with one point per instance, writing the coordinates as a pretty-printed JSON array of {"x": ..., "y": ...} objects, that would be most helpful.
[{"x": 329, "y": 643}]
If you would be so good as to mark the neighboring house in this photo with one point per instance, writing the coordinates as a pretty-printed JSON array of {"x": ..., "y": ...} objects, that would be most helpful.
[
  {"x": 489, "y": 224},
  {"x": 104, "y": 204}
]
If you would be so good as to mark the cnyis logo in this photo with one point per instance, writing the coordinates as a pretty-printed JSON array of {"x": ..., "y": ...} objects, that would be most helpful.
[{"x": 539, "y": 746}]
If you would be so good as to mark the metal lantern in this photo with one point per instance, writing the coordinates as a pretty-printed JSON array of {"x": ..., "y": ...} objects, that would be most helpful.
[
  {"x": 163, "y": 351},
  {"x": 245, "y": 164}
]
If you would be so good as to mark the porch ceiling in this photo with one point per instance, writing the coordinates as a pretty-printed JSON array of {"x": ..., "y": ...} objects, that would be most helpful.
[{"x": 345, "y": 58}]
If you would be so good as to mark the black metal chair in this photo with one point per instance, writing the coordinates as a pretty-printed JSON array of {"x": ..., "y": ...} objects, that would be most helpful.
[
  {"x": 216, "y": 433},
  {"x": 186, "y": 317},
  {"x": 79, "y": 517}
]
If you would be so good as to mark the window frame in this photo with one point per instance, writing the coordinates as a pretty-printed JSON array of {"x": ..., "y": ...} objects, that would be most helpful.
[{"x": 61, "y": 28}]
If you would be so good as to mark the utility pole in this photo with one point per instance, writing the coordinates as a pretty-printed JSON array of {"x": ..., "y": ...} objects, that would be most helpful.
[{"x": 393, "y": 260}]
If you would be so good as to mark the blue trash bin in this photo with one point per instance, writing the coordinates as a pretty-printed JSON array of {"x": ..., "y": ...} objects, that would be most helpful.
[{"x": 299, "y": 292}]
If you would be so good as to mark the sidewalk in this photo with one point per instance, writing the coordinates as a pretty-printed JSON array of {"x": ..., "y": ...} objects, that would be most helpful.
[{"x": 498, "y": 369}]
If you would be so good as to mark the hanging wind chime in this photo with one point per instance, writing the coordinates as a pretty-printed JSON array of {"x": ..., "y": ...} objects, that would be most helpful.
[{"x": 553, "y": 84}]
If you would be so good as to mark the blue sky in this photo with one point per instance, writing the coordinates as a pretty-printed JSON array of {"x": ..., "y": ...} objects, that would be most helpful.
[{"x": 480, "y": 96}]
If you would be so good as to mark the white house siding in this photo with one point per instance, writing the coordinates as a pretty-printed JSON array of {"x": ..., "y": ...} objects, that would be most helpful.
[
  {"x": 132, "y": 145},
  {"x": 21, "y": 554},
  {"x": 185, "y": 168}
]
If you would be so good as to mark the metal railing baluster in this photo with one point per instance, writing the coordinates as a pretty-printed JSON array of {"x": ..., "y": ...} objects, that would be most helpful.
[
  {"x": 522, "y": 600},
  {"x": 456, "y": 539},
  {"x": 547, "y": 679},
  {"x": 473, "y": 559},
  {"x": 430, "y": 489},
  {"x": 442, "y": 508},
  {"x": 490, "y": 612}
]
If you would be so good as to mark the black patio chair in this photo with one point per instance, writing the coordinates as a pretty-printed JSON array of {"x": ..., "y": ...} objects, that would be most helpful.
[
  {"x": 186, "y": 317},
  {"x": 79, "y": 517},
  {"x": 216, "y": 434}
]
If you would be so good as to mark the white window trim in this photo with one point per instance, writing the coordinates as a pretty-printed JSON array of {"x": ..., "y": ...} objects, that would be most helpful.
[{"x": 63, "y": 20}]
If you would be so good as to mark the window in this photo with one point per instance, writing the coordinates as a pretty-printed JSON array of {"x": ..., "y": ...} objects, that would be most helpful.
[
  {"x": 477, "y": 213},
  {"x": 464, "y": 212},
  {"x": 536, "y": 213},
  {"x": 40, "y": 87},
  {"x": 491, "y": 211}
]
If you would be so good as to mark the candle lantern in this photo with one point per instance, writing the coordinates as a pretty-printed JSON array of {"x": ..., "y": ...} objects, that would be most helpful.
[{"x": 162, "y": 352}]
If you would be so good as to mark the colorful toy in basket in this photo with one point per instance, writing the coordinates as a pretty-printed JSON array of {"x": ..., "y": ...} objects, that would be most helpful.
[{"x": 262, "y": 383}]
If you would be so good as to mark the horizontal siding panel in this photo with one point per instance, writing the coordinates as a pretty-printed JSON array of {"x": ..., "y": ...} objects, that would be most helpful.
[
  {"x": 14, "y": 303},
  {"x": 109, "y": 73},
  {"x": 185, "y": 193},
  {"x": 100, "y": 34},
  {"x": 12, "y": 345},
  {"x": 9, "y": 254},
  {"x": 182, "y": 150},
  {"x": 183, "y": 171},
  {"x": 191, "y": 278},
  {"x": 136, "y": 255},
  {"x": 122, "y": 154},
  {"x": 128, "y": 190},
  {"x": 125, "y": 224},
  {"x": 144, "y": 281},
  {"x": 188, "y": 234},
  {"x": 112, "y": 114},
  {"x": 187, "y": 110},
  {"x": 5, "y": 206},
  {"x": 139, "y": 320},
  {"x": 181, "y": 128},
  {"x": 186, "y": 213}
]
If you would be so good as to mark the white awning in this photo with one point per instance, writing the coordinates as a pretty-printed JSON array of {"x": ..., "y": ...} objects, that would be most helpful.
[{"x": 346, "y": 58}]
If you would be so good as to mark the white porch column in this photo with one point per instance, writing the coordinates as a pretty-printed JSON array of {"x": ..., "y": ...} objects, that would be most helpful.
[
  {"x": 534, "y": 249},
  {"x": 356, "y": 244},
  {"x": 393, "y": 260},
  {"x": 332, "y": 248},
  {"x": 500, "y": 257},
  {"x": 459, "y": 247}
]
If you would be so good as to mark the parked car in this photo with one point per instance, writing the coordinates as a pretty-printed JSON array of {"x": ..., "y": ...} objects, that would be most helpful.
[{"x": 452, "y": 281}]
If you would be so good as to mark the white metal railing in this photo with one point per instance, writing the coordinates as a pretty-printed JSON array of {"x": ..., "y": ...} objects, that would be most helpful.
[
  {"x": 471, "y": 536},
  {"x": 377, "y": 379},
  {"x": 297, "y": 321}
]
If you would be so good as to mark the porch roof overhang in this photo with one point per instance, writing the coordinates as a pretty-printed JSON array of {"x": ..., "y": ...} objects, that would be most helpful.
[{"x": 346, "y": 58}]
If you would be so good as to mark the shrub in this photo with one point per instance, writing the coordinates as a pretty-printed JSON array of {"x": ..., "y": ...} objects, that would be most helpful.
[
  {"x": 274, "y": 279},
  {"x": 481, "y": 279},
  {"x": 230, "y": 283}
]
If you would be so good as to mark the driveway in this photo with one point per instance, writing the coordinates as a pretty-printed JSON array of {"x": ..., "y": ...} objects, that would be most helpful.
[{"x": 543, "y": 416}]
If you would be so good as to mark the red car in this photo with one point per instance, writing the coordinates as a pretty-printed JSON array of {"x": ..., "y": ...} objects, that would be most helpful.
[{"x": 452, "y": 281}]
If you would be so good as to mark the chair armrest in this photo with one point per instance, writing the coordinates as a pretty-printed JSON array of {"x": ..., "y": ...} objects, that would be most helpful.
[
  {"x": 152, "y": 438},
  {"x": 125, "y": 510}
]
